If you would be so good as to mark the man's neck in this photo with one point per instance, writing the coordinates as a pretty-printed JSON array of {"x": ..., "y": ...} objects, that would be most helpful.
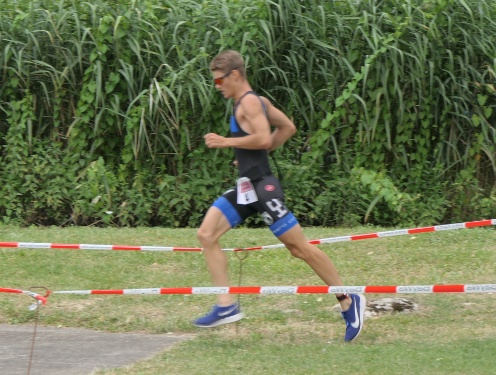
[{"x": 242, "y": 90}]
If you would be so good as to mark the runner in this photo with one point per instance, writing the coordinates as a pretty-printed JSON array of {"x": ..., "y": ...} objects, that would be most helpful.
[{"x": 258, "y": 191}]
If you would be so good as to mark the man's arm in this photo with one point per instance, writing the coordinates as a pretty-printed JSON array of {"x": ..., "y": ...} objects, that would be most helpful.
[
  {"x": 284, "y": 127},
  {"x": 251, "y": 118}
]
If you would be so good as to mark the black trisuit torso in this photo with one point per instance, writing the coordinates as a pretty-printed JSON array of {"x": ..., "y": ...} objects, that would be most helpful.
[{"x": 254, "y": 164}]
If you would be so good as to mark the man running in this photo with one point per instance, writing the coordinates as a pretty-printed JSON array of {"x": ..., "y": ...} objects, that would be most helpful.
[{"x": 258, "y": 191}]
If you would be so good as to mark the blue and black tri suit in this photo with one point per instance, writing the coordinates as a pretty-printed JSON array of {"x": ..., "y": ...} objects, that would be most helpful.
[{"x": 254, "y": 164}]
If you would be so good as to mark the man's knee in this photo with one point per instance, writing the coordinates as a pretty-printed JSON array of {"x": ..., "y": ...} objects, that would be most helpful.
[
  {"x": 204, "y": 236},
  {"x": 304, "y": 251},
  {"x": 297, "y": 251}
]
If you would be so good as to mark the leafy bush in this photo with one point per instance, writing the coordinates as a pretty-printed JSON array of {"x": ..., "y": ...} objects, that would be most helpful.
[{"x": 104, "y": 106}]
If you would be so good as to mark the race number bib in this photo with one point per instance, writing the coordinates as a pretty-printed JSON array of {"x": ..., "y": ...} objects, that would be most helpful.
[{"x": 246, "y": 191}]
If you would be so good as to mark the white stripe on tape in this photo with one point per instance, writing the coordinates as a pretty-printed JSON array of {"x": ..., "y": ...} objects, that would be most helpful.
[
  {"x": 72, "y": 292},
  {"x": 414, "y": 289},
  {"x": 278, "y": 290},
  {"x": 480, "y": 288},
  {"x": 393, "y": 233},
  {"x": 450, "y": 226},
  {"x": 84, "y": 246},
  {"x": 142, "y": 291},
  {"x": 210, "y": 290},
  {"x": 34, "y": 245},
  {"x": 156, "y": 248},
  {"x": 336, "y": 239},
  {"x": 346, "y": 289}
]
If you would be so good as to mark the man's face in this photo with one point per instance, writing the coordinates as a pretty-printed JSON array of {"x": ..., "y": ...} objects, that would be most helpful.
[{"x": 223, "y": 82}]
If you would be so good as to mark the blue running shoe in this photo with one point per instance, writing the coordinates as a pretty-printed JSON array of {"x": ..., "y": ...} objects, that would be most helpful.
[
  {"x": 354, "y": 317},
  {"x": 220, "y": 315}
]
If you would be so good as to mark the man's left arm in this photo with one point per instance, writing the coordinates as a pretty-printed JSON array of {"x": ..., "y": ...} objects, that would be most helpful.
[{"x": 284, "y": 127}]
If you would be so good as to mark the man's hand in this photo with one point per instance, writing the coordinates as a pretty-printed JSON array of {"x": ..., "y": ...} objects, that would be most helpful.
[{"x": 213, "y": 140}]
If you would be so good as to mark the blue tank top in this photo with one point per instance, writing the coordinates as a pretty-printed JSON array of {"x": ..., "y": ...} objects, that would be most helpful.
[{"x": 253, "y": 164}]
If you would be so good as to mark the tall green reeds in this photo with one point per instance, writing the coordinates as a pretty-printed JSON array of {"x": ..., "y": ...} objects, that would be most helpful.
[{"x": 103, "y": 106}]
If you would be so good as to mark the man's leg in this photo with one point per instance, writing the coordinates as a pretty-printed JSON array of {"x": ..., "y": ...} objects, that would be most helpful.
[
  {"x": 214, "y": 225},
  {"x": 353, "y": 307},
  {"x": 217, "y": 221},
  {"x": 298, "y": 245}
]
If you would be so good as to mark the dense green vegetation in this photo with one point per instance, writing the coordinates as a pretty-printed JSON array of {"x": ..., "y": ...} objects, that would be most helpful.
[{"x": 103, "y": 106}]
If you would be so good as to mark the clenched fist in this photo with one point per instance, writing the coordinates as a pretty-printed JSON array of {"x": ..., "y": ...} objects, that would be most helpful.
[{"x": 213, "y": 140}]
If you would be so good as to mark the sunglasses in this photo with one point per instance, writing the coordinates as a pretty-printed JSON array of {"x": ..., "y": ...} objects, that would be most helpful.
[{"x": 219, "y": 81}]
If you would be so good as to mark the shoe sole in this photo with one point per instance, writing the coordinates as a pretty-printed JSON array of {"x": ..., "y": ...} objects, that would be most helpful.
[
  {"x": 230, "y": 319},
  {"x": 363, "y": 306}
]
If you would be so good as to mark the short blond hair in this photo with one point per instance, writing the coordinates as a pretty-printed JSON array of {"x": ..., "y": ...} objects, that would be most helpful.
[{"x": 227, "y": 61}]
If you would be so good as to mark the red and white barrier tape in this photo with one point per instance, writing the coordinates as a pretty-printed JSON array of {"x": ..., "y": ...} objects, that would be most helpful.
[
  {"x": 36, "y": 296},
  {"x": 368, "y": 289},
  {"x": 378, "y": 289},
  {"x": 399, "y": 232}
]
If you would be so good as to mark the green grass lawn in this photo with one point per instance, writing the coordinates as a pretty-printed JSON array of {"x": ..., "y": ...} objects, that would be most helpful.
[{"x": 281, "y": 334}]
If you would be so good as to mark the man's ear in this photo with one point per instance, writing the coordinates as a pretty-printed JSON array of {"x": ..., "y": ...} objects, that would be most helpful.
[{"x": 237, "y": 74}]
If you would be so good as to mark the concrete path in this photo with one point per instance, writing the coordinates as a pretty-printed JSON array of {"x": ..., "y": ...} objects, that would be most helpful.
[{"x": 73, "y": 351}]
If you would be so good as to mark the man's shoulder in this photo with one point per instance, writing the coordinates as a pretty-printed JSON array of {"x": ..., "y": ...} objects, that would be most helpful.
[
  {"x": 248, "y": 96},
  {"x": 255, "y": 101}
]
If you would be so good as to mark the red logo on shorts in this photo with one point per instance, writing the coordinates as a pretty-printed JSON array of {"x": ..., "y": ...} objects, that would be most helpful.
[{"x": 269, "y": 187}]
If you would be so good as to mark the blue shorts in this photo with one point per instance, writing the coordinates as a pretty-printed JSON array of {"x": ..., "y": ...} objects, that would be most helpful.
[{"x": 270, "y": 205}]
